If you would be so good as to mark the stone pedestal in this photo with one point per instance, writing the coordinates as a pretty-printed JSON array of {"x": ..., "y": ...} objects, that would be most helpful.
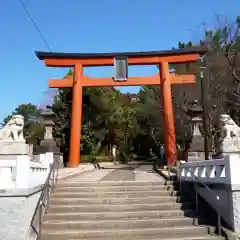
[
  {"x": 18, "y": 148},
  {"x": 10, "y": 150},
  {"x": 48, "y": 145},
  {"x": 230, "y": 147}
]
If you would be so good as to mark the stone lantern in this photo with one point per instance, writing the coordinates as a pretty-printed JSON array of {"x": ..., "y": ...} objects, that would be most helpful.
[
  {"x": 48, "y": 144},
  {"x": 195, "y": 112},
  {"x": 196, "y": 149},
  {"x": 195, "y": 109}
]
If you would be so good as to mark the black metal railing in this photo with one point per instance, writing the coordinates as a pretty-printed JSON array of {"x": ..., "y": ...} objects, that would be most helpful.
[
  {"x": 42, "y": 204},
  {"x": 214, "y": 195}
]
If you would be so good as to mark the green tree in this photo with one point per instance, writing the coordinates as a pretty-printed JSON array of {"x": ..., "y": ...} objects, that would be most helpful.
[
  {"x": 112, "y": 116},
  {"x": 220, "y": 78}
]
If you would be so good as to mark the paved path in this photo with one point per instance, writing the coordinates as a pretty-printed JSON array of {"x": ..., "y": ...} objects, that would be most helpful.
[
  {"x": 69, "y": 172},
  {"x": 122, "y": 174},
  {"x": 129, "y": 172},
  {"x": 92, "y": 176}
]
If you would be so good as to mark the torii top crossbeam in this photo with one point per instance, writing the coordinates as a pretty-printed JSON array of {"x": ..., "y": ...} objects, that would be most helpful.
[
  {"x": 161, "y": 58},
  {"x": 53, "y": 59}
]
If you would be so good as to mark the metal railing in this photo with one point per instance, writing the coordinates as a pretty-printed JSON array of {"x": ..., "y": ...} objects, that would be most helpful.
[
  {"x": 42, "y": 204},
  {"x": 214, "y": 195}
]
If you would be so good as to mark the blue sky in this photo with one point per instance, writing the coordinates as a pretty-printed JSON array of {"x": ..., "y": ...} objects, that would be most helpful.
[{"x": 91, "y": 26}]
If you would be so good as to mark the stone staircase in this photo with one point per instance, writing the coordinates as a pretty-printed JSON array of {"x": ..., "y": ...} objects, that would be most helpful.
[{"x": 122, "y": 210}]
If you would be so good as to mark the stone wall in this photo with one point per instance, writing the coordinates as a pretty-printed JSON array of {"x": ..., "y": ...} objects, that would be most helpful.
[
  {"x": 236, "y": 209},
  {"x": 225, "y": 203},
  {"x": 16, "y": 211},
  {"x": 229, "y": 204}
]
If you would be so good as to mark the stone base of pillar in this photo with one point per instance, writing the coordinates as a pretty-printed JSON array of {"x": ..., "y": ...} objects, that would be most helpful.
[{"x": 49, "y": 145}]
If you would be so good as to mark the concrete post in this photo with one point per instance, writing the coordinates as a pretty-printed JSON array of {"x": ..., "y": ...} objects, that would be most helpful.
[
  {"x": 5, "y": 178},
  {"x": 22, "y": 171}
]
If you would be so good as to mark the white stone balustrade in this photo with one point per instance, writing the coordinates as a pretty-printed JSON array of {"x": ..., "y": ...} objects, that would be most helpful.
[
  {"x": 24, "y": 173},
  {"x": 224, "y": 177},
  {"x": 218, "y": 171},
  {"x": 38, "y": 173}
]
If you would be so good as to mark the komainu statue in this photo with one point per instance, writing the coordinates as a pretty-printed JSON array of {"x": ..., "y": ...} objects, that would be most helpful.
[
  {"x": 231, "y": 140},
  {"x": 13, "y": 130},
  {"x": 230, "y": 128}
]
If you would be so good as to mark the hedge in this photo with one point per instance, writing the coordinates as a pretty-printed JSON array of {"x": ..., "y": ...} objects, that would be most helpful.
[{"x": 89, "y": 158}]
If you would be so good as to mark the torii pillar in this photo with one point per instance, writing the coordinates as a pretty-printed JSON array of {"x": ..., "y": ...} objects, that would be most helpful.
[{"x": 164, "y": 79}]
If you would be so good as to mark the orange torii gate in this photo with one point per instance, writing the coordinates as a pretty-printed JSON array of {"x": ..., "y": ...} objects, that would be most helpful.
[{"x": 80, "y": 60}]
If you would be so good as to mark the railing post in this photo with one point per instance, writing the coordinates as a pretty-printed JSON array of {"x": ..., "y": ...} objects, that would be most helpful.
[
  {"x": 40, "y": 220},
  {"x": 196, "y": 197},
  {"x": 22, "y": 171},
  {"x": 219, "y": 226}
]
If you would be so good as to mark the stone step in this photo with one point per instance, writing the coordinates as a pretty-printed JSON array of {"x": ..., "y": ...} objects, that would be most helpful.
[
  {"x": 135, "y": 194},
  {"x": 201, "y": 237},
  {"x": 166, "y": 232},
  {"x": 112, "y": 183},
  {"x": 110, "y": 188},
  {"x": 118, "y": 215},
  {"x": 120, "y": 207},
  {"x": 122, "y": 224},
  {"x": 121, "y": 200}
]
